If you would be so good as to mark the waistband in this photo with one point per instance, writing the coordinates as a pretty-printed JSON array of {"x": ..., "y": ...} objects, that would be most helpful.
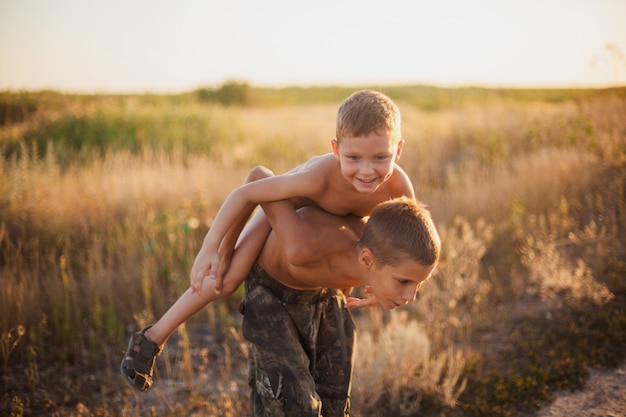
[{"x": 287, "y": 294}]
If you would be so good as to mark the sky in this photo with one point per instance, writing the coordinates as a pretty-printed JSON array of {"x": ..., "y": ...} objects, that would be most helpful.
[{"x": 176, "y": 46}]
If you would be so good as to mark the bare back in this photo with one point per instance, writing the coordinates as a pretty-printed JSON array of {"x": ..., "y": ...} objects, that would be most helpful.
[{"x": 334, "y": 242}]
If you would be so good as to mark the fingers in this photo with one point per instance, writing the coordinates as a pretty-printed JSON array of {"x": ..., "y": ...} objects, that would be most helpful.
[
  {"x": 218, "y": 280},
  {"x": 193, "y": 284},
  {"x": 354, "y": 303},
  {"x": 197, "y": 282},
  {"x": 196, "y": 287},
  {"x": 195, "y": 279},
  {"x": 222, "y": 267},
  {"x": 198, "y": 274}
]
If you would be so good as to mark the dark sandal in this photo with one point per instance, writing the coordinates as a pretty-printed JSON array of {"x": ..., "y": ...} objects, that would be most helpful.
[{"x": 138, "y": 364}]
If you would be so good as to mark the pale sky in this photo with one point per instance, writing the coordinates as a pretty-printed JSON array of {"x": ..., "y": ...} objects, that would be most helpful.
[{"x": 176, "y": 46}]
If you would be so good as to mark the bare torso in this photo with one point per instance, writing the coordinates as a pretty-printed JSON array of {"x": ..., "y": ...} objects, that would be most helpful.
[
  {"x": 335, "y": 195},
  {"x": 334, "y": 241},
  {"x": 331, "y": 239}
]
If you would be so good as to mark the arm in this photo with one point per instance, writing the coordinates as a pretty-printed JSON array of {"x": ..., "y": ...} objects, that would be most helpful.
[
  {"x": 249, "y": 246},
  {"x": 232, "y": 217},
  {"x": 304, "y": 182},
  {"x": 246, "y": 245}
]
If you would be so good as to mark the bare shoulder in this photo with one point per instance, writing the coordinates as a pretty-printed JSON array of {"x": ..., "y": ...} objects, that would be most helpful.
[
  {"x": 401, "y": 183},
  {"x": 316, "y": 163},
  {"x": 319, "y": 169},
  {"x": 400, "y": 174}
]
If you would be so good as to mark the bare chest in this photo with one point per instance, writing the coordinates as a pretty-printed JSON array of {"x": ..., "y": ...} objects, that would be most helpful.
[{"x": 347, "y": 202}]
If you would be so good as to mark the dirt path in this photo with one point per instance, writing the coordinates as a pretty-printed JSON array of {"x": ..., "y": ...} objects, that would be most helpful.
[{"x": 604, "y": 395}]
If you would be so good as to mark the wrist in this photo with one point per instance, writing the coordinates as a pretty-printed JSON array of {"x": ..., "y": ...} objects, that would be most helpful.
[{"x": 209, "y": 246}]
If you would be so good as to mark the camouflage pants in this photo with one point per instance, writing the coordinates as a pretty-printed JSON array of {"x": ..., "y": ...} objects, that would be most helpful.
[{"x": 300, "y": 349}]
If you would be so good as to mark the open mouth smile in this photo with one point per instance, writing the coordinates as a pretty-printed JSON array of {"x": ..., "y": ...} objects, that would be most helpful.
[{"x": 366, "y": 181}]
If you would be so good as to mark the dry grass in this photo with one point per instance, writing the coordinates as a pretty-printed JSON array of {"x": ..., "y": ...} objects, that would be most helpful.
[{"x": 528, "y": 198}]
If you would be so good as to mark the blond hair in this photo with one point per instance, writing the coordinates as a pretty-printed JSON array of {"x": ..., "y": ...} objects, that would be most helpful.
[
  {"x": 368, "y": 111},
  {"x": 401, "y": 229}
]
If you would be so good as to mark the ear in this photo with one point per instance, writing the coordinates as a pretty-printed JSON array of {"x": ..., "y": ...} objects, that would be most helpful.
[
  {"x": 399, "y": 149},
  {"x": 366, "y": 258},
  {"x": 335, "y": 146}
]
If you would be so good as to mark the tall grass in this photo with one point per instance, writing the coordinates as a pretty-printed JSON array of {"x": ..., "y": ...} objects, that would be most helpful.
[{"x": 104, "y": 201}]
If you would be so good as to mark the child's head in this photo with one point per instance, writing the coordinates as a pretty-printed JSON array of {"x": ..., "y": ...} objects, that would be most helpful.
[
  {"x": 368, "y": 111},
  {"x": 401, "y": 247},
  {"x": 400, "y": 229},
  {"x": 369, "y": 141}
]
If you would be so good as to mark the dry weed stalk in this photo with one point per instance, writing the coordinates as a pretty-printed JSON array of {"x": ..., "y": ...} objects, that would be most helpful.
[
  {"x": 555, "y": 280},
  {"x": 396, "y": 368}
]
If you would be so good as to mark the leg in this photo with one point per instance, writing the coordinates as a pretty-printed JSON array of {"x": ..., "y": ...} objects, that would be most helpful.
[
  {"x": 144, "y": 346},
  {"x": 187, "y": 306},
  {"x": 138, "y": 364},
  {"x": 280, "y": 378},
  {"x": 333, "y": 364}
]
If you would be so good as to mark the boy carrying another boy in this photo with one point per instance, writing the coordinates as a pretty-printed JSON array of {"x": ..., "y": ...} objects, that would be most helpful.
[
  {"x": 360, "y": 173},
  {"x": 300, "y": 338}
]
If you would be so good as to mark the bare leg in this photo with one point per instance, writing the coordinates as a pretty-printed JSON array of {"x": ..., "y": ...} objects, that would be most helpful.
[
  {"x": 187, "y": 305},
  {"x": 243, "y": 257},
  {"x": 145, "y": 345}
]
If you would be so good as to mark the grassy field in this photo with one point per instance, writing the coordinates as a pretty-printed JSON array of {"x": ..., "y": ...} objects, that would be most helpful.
[{"x": 104, "y": 201}]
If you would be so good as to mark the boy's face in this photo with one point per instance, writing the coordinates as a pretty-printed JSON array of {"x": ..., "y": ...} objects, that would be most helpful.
[
  {"x": 395, "y": 286},
  {"x": 367, "y": 161}
]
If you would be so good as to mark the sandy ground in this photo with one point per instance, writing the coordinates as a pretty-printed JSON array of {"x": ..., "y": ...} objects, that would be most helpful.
[{"x": 604, "y": 395}]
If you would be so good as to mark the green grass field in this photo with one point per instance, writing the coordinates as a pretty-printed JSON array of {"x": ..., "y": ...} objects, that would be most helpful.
[{"x": 104, "y": 201}]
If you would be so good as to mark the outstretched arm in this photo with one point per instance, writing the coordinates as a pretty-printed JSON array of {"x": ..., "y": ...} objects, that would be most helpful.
[
  {"x": 237, "y": 204},
  {"x": 202, "y": 266},
  {"x": 239, "y": 250}
]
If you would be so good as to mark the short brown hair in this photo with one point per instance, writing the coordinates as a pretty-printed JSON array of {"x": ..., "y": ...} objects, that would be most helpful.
[
  {"x": 368, "y": 111},
  {"x": 401, "y": 229}
]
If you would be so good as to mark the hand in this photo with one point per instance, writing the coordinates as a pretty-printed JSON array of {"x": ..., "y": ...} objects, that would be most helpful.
[
  {"x": 222, "y": 267},
  {"x": 205, "y": 265},
  {"x": 354, "y": 303}
]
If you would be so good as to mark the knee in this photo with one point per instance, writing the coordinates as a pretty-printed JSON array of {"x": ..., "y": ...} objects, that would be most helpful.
[{"x": 257, "y": 173}]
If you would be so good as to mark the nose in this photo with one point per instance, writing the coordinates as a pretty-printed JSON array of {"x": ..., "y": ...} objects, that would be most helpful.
[
  {"x": 411, "y": 293},
  {"x": 367, "y": 167}
]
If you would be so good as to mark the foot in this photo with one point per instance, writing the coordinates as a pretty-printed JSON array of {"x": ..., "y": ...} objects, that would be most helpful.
[{"x": 138, "y": 364}]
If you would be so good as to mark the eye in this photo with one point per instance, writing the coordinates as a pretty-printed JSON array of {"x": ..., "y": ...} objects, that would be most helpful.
[
  {"x": 352, "y": 157},
  {"x": 382, "y": 157}
]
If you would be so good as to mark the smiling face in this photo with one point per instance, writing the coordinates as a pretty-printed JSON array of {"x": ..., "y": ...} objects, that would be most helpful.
[
  {"x": 394, "y": 285},
  {"x": 367, "y": 161}
]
